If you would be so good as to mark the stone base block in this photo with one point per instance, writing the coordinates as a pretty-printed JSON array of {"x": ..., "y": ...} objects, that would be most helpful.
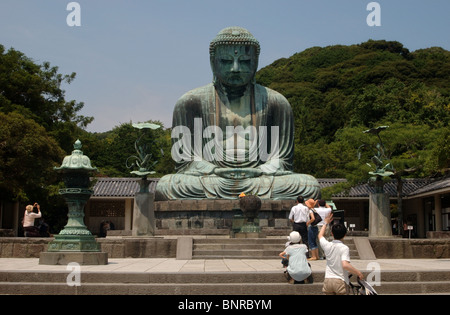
[
  {"x": 379, "y": 215},
  {"x": 438, "y": 234},
  {"x": 82, "y": 258},
  {"x": 249, "y": 235},
  {"x": 217, "y": 214},
  {"x": 144, "y": 215},
  {"x": 74, "y": 243}
]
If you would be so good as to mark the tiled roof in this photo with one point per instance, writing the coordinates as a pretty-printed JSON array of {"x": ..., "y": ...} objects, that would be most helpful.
[
  {"x": 120, "y": 187},
  {"x": 411, "y": 187},
  {"x": 327, "y": 182},
  {"x": 109, "y": 187},
  {"x": 363, "y": 190},
  {"x": 434, "y": 185}
]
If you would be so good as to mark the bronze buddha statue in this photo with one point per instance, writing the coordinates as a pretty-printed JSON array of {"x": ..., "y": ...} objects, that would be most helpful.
[{"x": 233, "y": 135}]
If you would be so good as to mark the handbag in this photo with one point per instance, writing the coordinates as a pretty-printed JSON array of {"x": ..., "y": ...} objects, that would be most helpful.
[{"x": 317, "y": 218}]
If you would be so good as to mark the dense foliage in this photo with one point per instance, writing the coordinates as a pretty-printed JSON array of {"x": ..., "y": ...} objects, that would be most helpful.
[
  {"x": 337, "y": 92},
  {"x": 38, "y": 125},
  {"x": 110, "y": 150}
]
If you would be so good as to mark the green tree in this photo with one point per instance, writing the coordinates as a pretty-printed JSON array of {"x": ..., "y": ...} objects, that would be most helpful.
[
  {"x": 338, "y": 91},
  {"x": 37, "y": 122},
  {"x": 27, "y": 157},
  {"x": 35, "y": 91},
  {"x": 109, "y": 151}
]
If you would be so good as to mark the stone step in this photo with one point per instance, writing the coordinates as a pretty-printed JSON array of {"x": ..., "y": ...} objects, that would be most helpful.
[
  {"x": 388, "y": 288},
  {"x": 205, "y": 277},
  {"x": 235, "y": 246},
  {"x": 158, "y": 289},
  {"x": 248, "y": 241},
  {"x": 239, "y": 248},
  {"x": 238, "y": 283},
  {"x": 218, "y": 232},
  {"x": 233, "y": 254},
  {"x": 352, "y": 247}
]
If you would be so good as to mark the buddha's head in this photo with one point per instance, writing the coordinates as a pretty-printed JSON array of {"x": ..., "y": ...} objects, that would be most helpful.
[{"x": 234, "y": 56}]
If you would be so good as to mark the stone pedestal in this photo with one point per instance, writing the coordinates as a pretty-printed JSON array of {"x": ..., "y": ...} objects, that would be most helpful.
[
  {"x": 74, "y": 243},
  {"x": 144, "y": 223},
  {"x": 82, "y": 258},
  {"x": 219, "y": 217},
  {"x": 379, "y": 215}
]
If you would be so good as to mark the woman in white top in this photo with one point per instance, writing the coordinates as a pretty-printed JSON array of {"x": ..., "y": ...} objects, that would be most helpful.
[{"x": 28, "y": 220}]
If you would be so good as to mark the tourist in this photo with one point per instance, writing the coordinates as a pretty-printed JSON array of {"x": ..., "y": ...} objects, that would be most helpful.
[
  {"x": 104, "y": 228},
  {"x": 338, "y": 260},
  {"x": 298, "y": 270},
  {"x": 300, "y": 218},
  {"x": 323, "y": 210},
  {"x": 28, "y": 220},
  {"x": 313, "y": 232},
  {"x": 44, "y": 229},
  {"x": 284, "y": 260}
]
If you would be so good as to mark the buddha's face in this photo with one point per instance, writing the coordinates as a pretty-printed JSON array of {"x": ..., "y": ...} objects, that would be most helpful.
[{"x": 235, "y": 65}]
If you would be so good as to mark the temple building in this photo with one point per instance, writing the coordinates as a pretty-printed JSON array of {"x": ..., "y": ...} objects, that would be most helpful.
[
  {"x": 426, "y": 208},
  {"x": 426, "y": 203}
]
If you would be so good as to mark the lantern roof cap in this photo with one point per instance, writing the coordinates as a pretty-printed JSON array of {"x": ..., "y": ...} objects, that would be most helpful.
[{"x": 77, "y": 160}]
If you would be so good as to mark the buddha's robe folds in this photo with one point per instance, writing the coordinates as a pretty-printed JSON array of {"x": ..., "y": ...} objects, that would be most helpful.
[{"x": 225, "y": 169}]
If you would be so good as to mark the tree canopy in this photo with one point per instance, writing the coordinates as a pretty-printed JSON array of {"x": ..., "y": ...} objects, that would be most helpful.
[
  {"x": 337, "y": 92},
  {"x": 110, "y": 150},
  {"x": 38, "y": 124},
  {"x": 27, "y": 157},
  {"x": 35, "y": 91}
]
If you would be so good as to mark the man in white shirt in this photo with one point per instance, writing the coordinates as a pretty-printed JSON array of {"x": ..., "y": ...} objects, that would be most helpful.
[
  {"x": 338, "y": 260},
  {"x": 300, "y": 218}
]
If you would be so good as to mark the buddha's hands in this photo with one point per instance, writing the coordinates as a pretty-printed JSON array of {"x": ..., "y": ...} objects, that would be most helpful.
[
  {"x": 238, "y": 173},
  {"x": 198, "y": 168},
  {"x": 274, "y": 167}
]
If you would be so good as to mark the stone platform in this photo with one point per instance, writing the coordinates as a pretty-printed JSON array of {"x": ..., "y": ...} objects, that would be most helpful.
[
  {"x": 166, "y": 247},
  {"x": 217, "y": 214}
]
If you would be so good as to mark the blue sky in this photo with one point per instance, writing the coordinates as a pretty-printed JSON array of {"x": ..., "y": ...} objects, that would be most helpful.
[{"x": 135, "y": 58}]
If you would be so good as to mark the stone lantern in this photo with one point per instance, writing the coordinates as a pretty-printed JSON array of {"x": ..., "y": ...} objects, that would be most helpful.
[{"x": 75, "y": 243}]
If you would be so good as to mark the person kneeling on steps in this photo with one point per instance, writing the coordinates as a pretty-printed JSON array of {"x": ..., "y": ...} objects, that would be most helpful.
[{"x": 298, "y": 269}]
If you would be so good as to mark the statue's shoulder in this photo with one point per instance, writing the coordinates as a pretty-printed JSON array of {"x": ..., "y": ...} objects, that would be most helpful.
[
  {"x": 197, "y": 94},
  {"x": 273, "y": 96}
]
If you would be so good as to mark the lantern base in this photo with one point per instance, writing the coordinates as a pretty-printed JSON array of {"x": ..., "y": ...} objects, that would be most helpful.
[
  {"x": 65, "y": 258},
  {"x": 74, "y": 243}
]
